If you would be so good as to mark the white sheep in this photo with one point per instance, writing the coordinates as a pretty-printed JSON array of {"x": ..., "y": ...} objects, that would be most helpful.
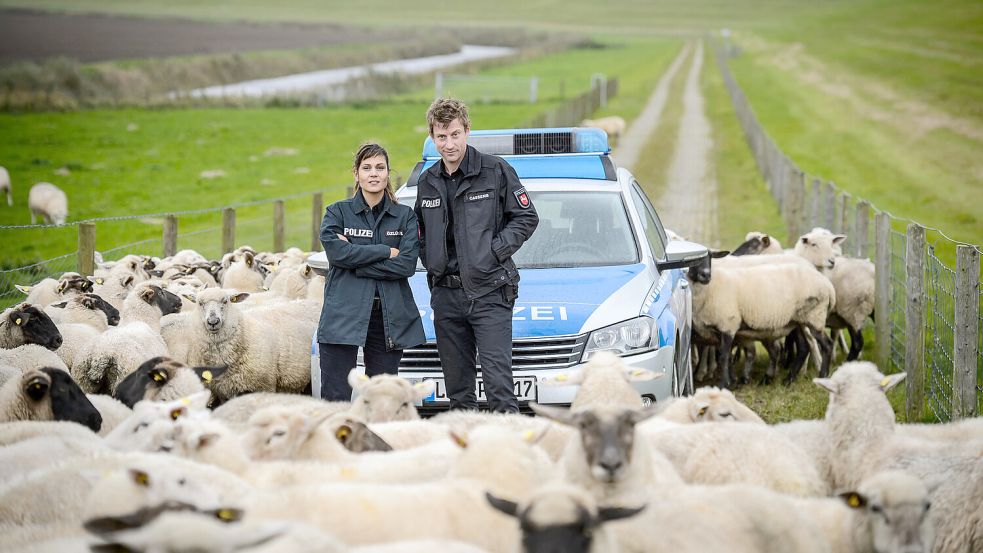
[
  {"x": 386, "y": 397},
  {"x": 114, "y": 287},
  {"x": 708, "y": 404},
  {"x": 864, "y": 441},
  {"x": 243, "y": 275},
  {"x": 258, "y": 358},
  {"x": 13, "y": 432},
  {"x": 25, "y": 324},
  {"x": 49, "y": 202},
  {"x": 613, "y": 125},
  {"x": 120, "y": 350},
  {"x": 75, "y": 340},
  {"x": 46, "y": 395},
  {"x": 31, "y": 356},
  {"x": 604, "y": 380},
  {"x": 756, "y": 242},
  {"x": 164, "y": 379},
  {"x": 237, "y": 411},
  {"x": 5, "y": 186},
  {"x": 44, "y": 292},
  {"x": 112, "y": 411},
  {"x": 956, "y": 431},
  {"x": 87, "y": 309}
]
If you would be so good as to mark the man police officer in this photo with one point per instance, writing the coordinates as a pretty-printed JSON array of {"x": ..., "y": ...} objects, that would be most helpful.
[{"x": 473, "y": 214}]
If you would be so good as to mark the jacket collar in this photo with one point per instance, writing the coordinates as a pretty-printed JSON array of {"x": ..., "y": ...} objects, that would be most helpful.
[
  {"x": 470, "y": 165},
  {"x": 359, "y": 205}
]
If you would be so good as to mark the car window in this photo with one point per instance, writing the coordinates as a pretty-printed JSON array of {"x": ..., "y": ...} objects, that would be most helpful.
[
  {"x": 578, "y": 229},
  {"x": 654, "y": 233}
]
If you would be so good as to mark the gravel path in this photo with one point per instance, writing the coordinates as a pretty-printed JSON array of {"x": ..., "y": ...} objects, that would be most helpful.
[
  {"x": 630, "y": 145},
  {"x": 689, "y": 203}
]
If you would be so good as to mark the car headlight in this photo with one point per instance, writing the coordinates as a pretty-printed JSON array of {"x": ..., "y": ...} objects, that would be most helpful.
[{"x": 637, "y": 335}]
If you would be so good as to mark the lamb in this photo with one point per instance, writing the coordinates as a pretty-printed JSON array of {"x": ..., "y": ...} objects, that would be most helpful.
[
  {"x": 385, "y": 397},
  {"x": 607, "y": 460},
  {"x": 26, "y": 324},
  {"x": 613, "y": 125},
  {"x": 258, "y": 360},
  {"x": 708, "y": 404},
  {"x": 243, "y": 275},
  {"x": 163, "y": 379},
  {"x": 88, "y": 309},
  {"x": 5, "y": 186},
  {"x": 119, "y": 351},
  {"x": 604, "y": 380},
  {"x": 31, "y": 356},
  {"x": 861, "y": 423},
  {"x": 561, "y": 517},
  {"x": 798, "y": 296},
  {"x": 49, "y": 202},
  {"x": 47, "y": 395}
]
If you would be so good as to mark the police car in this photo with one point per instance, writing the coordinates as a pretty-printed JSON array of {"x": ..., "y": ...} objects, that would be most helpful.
[{"x": 598, "y": 274}]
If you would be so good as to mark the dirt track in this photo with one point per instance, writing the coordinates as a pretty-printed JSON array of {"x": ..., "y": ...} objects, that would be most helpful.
[{"x": 27, "y": 35}]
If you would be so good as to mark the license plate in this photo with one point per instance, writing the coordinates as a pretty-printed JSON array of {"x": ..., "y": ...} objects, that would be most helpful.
[{"x": 523, "y": 386}]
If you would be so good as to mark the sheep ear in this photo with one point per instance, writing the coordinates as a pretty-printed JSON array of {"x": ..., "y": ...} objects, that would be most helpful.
[
  {"x": 147, "y": 294},
  {"x": 698, "y": 410},
  {"x": 605, "y": 514},
  {"x": 825, "y": 383},
  {"x": 139, "y": 477},
  {"x": 838, "y": 238},
  {"x": 569, "y": 378},
  {"x": 459, "y": 439},
  {"x": 156, "y": 273},
  {"x": 126, "y": 282},
  {"x": 20, "y": 318},
  {"x": 208, "y": 439},
  {"x": 193, "y": 298},
  {"x": 891, "y": 380},
  {"x": 424, "y": 389},
  {"x": 61, "y": 286},
  {"x": 61, "y": 305},
  {"x": 854, "y": 500},
  {"x": 307, "y": 269},
  {"x": 766, "y": 240},
  {"x": 637, "y": 374},
  {"x": 558, "y": 414},
  {"x": 159, "y": 376},
  {"x": 23, "y": 289},
  {"x": 510, "y": 508},
  {"x": 357, "y": 380},
  {"x": 208, "y": 374},
  {"x": 805, "y": 239},
  {"x": 249, "y": 259},
  {"x": 717, "y": 254},
  {"x": 239, "y": 298}
]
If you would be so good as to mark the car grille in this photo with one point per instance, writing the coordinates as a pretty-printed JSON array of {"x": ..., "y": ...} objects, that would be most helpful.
[{"x": 552, "y": 352}]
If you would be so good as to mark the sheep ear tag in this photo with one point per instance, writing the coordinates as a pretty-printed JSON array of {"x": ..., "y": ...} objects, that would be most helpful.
[
  {"x": 177, "y": 412},
  {"x": 18, "y": 321},
  {"x": 854, "y": 500},
  {"x": 159, "y": 375},
  {"x": 228, "y": 515},
  {"x": 343, "y": 432},
  {"x": 206, "y": 375},
  {"x": 140, "y": 478}
]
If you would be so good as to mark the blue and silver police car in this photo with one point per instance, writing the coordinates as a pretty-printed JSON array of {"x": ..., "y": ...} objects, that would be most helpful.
[{"x": 598, "y": 274}]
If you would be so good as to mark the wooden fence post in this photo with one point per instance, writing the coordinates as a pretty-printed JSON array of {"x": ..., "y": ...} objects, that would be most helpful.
[
  {"x": 85, "y": 263},
  {"x": 815, "y": 204},
  {"x": 278, "y": 226},
  {"x": 317, "y": 213},
  {"x": 967, "y": 329},
  {"x": 914, "y": 361},
  {"x": 882, "y": 288},
  {"x": 228, "y": 230},
  {"x": 845, "y": 220},
  {"x": 829, "y": 205},
  {"x": 860, "y": 229},
  {"x": 796, "y": 201},
  {"x": 170, "y": 235},
  {"x": 349, "y": 191}
]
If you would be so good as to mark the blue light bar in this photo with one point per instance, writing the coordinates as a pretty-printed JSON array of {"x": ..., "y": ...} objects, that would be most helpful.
[
  {"x": 596, "y": 166},
  {"x": 516, "y": 142}
]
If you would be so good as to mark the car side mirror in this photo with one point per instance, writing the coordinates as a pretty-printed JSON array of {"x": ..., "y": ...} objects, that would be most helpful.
[{"x": 680, "y": 254}]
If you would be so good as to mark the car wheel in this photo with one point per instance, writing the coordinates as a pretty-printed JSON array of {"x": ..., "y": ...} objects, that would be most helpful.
[{"x": 682, "y": 370}]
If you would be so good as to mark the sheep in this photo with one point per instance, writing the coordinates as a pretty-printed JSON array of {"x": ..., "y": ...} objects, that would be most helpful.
[
  {"x": 44, "y": 395},
  {"x": 243, "y": 275},
  {"x": 606, "y": 459},
  {"x": 119, "y": 351},
  {"x": 864, "y": 441},
  {"x": 75, "y": 340},
  {"x": 812, "y": 437},
  {"x": 493, "y": 459},
  {"x": 5, "y": 186},
  {"x": 613, "y": 125},
  {"x": 708, "y": 404},
  {"x": 114, "y": 288},
  {"x": 31, "y": 356},
  {"x": 385, "y": 397},
  {"x": 888, "y": 513},
  {"x": 26, "y": 324},
  {"x": 112, "y": 411},
  {"x": 732, "y": 453},
  {"x": 7, "y": 372},
  {"x": 18, "y": 431},
  {"x": 258, "y": 360},
  {"x": 559, "y": 517},
  {"x": 85, "y": 308},
  {"x": 758, "y": 243},
  {"x": 163, "y": 379},
  {"x": 236, "y": 412},
  {"x": 49, "y": 202},
  {"x": 797, "y": 296},
  {"x": 956, "y": 431},
  {"x": 604, "y": 380},
  {"x": 551, "y": 437},
  {"x": 34, "y": 453},
  {"x": 150, "y": 426}
]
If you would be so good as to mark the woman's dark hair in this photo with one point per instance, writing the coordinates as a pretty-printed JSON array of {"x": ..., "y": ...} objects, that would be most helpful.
[{"x": 372, "y": 150}]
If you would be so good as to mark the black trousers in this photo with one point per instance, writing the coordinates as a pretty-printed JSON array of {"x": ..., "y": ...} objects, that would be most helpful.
[
  {"x": 337, "y": 360},
  {"x": 461, "y": 329}
]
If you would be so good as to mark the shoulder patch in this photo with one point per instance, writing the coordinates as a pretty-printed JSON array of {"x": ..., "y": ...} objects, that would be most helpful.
[{"x": 522, "y": 198}]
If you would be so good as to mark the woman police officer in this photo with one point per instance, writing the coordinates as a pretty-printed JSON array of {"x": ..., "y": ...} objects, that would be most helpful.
[{"x": 372, "y": 243}]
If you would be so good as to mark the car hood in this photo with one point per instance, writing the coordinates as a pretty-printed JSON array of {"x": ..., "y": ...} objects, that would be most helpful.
[{"x": 562, "y": 301}]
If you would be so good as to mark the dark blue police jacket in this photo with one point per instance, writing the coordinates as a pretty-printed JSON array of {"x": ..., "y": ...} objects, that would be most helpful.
[{"x": 360, "y": 265}]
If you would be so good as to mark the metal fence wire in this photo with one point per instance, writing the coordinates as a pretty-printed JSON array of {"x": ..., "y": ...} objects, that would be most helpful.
[
  {"x": 32, "y": 274},
  {"x": 940, "y": 289}
]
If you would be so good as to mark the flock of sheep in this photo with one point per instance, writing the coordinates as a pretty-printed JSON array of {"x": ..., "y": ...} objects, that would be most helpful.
[{"x": 45, "y": 200}]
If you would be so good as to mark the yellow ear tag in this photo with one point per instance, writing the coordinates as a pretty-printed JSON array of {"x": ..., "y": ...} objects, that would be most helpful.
[
  {"x": 561, "y": 378},
  {"x": 703, "y": 411},
  {"x": 528, "y": 435},
  {"x": 185, "y": 401},
  {"x": 638, "y": 372},
  {"x": 342, "y": 432},
  {"x": 142, "y": 479},
  {"x": 18, "y": 321},
  {"x": 363, "y": 377},
  {"x": 853, "y": 501},
  {"x": 158, "y": 377},
  {"x": 175, "y": 413},
  {"x": 98, "y": 281},
  {"x": 349, "y": 473},
  {"x": 459, "y": 440},
  {"x": 885, "y": 381},
  {"x": 206, "y": 376},
  {"x": 226, "y": 514}
]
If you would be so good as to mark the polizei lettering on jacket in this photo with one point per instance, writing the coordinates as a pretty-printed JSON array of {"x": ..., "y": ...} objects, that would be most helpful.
[
  {"x": 431, "y": 202},
  {"x": 358, "y": 232}
]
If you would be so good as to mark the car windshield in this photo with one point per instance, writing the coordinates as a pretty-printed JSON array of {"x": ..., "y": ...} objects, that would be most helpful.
[{"x": 578, "y": 229}]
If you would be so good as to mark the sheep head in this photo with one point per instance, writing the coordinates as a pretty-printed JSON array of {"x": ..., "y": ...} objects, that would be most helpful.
[
  {"x": 894, "y": 508},
  {"x": 385, "y": 397}
]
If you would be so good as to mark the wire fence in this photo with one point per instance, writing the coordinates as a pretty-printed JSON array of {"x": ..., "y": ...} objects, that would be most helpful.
[{"x": 929, "y": 291}]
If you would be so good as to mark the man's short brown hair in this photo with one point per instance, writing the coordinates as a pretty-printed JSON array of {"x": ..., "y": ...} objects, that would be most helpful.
[{"x": 445, "y": 110}]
